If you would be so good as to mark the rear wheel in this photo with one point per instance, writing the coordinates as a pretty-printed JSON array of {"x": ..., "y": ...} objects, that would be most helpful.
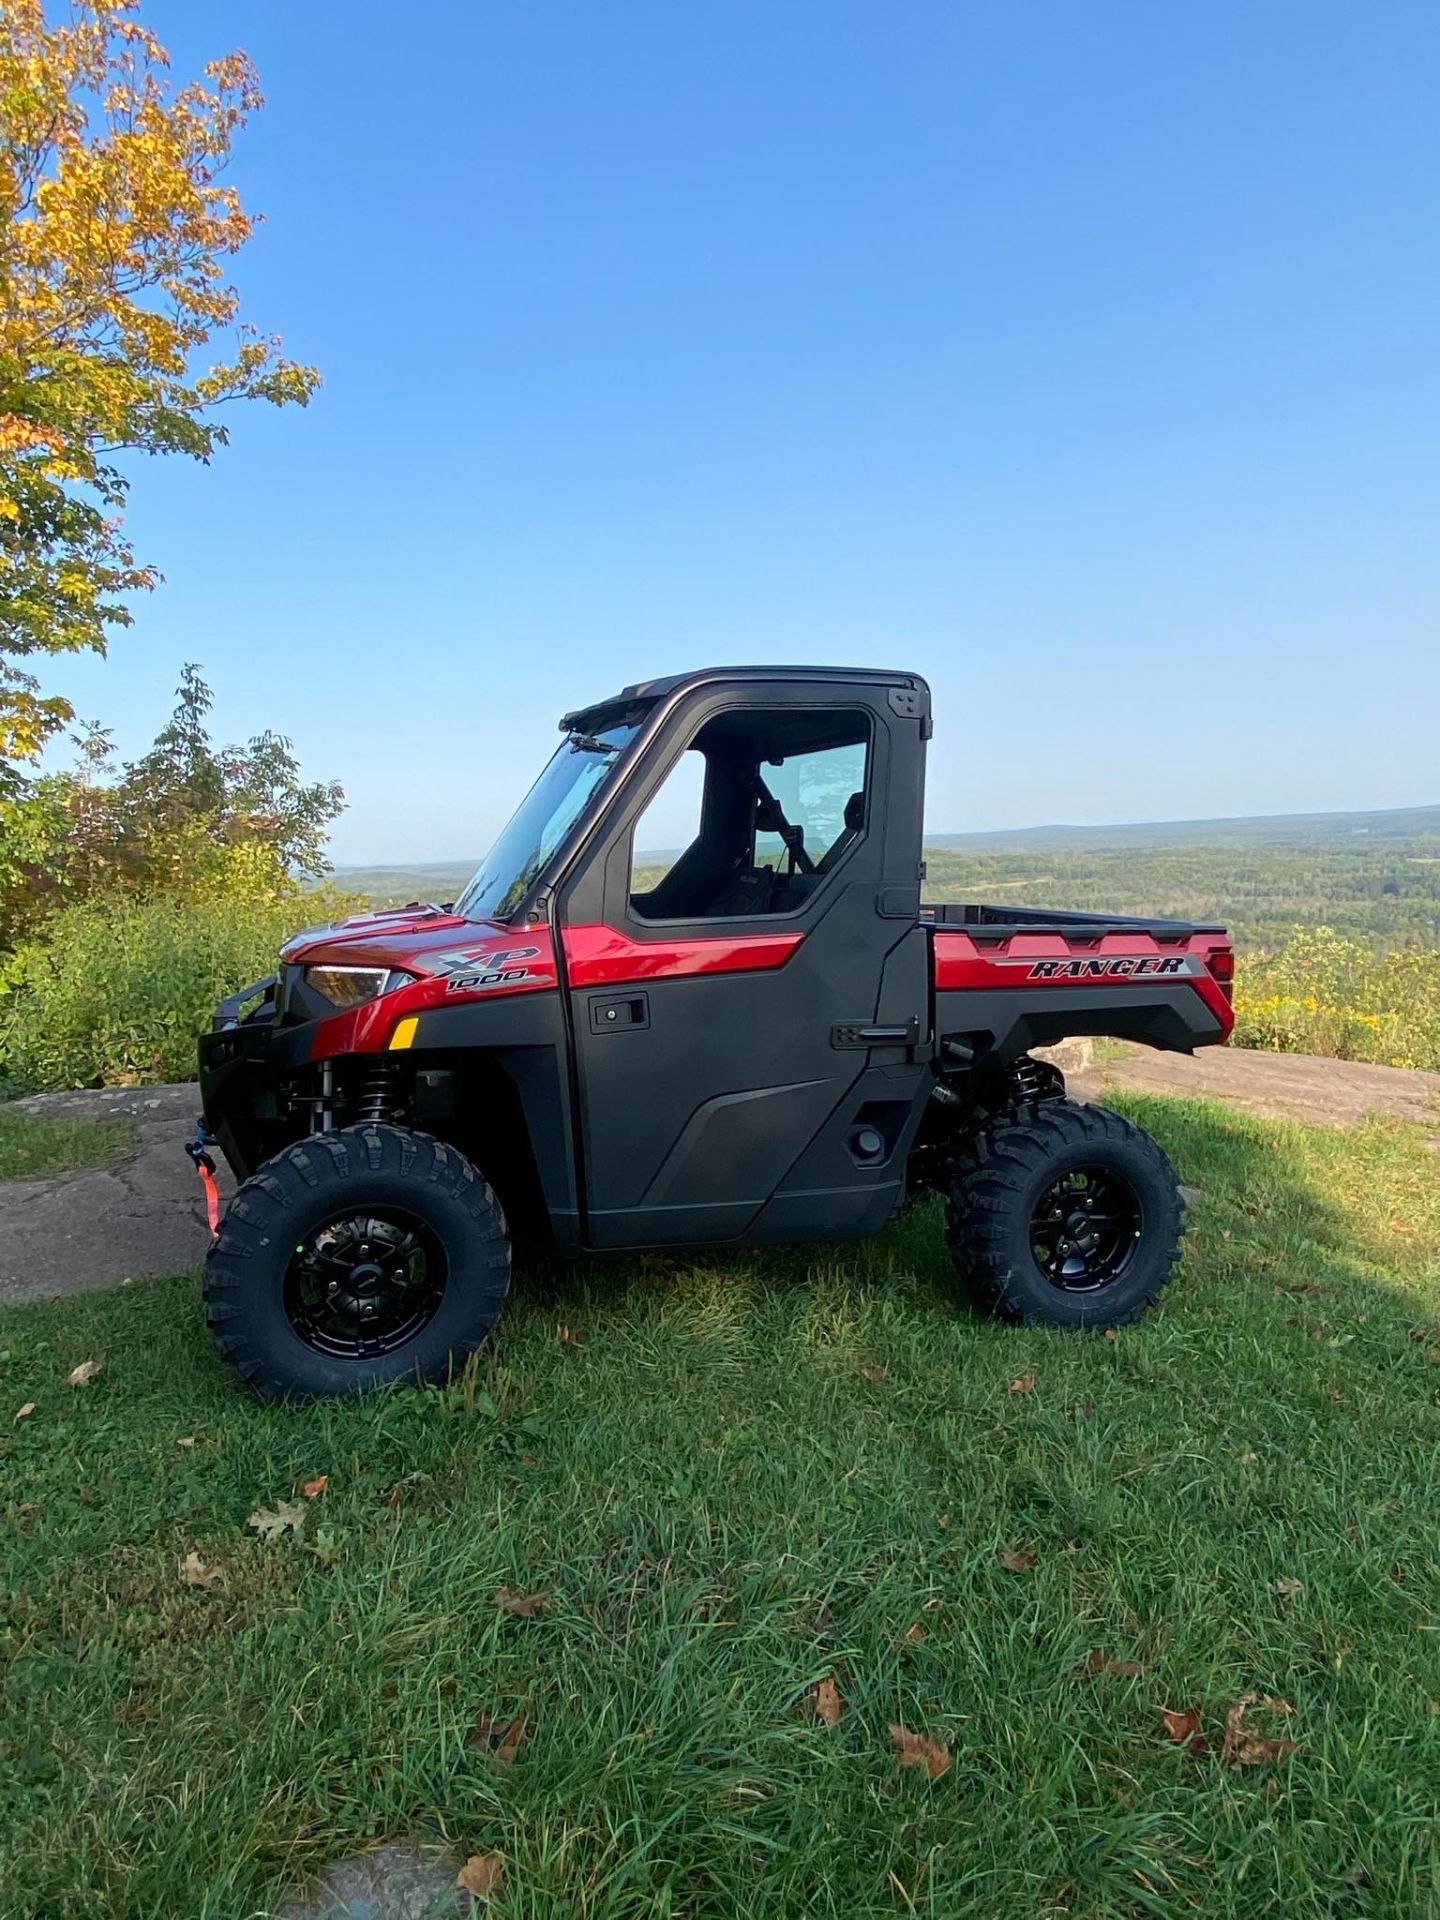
[
  {"x": 1063, "y": 1215},
  {"x": 353, "y": 1259}
]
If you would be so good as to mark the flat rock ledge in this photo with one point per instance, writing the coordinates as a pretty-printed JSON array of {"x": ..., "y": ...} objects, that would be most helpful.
[
  {"x": 145, "y": 1216},
  {"x": 139, "y": 1218}
]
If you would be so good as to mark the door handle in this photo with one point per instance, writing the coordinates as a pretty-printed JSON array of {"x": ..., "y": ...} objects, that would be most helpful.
[
  {"x": 854, "y": 1033},
  {"x": 619, "y": 1013}
]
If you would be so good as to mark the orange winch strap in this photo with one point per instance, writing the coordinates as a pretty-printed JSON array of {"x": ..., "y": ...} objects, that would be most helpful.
[{"x": 212, "y": 1197}]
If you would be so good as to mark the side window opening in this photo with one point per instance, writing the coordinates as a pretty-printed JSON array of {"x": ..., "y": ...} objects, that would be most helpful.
[
  {"x": 669, "y": 825},
  {"x": 782, "y": 800}
]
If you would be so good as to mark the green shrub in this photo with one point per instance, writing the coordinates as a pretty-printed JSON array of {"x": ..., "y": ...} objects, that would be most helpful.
[
  {"x": 188, "y": 820},
  {"x": 114, "y": 992},
  {"x": 1324, "y": 994}
]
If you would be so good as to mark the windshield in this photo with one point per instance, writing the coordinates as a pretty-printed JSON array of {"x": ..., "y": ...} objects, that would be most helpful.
[{"x": 556, "y": 801}]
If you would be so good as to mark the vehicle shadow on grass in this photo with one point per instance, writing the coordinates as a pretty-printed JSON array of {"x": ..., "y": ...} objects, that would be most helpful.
[
  {"x": 1299, "y": 1262},
  {"x": 1297, "y": 1236}
]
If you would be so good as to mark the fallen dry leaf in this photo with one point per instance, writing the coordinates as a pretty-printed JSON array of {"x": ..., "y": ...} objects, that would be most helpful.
[
  {"x": 1180, "y": 1726},
  {"x": 287, "y": 1516},
  {"x": 1025, "y": 1384},
  {"x": 943, "y": 1522},
  {"x": 82, "y": 1375},
  {"x": 504, "y": 1738},
  {"x": 1184, "y": 1728},
  {"x": 524, "y": 1606},
  {"x": 1098, "y": 1662},
  {"x": 826, "y": 1701},
  {"x": 186, "y": 1440},
  {"x": 1017, "y": 1559},
  {"x": 24, "y": 1413},
  {"x": 1288, "y": 1587},
  {"x": 1243, "y": 1747},
  {"x": 913, "y": 1633},
  {"x": 568, "y": 1336},
  {"x": 195, "y": 1573},
  {"x": 312, "y": 1489},
  {"x": 919, "y": 1750},
  {"x": 875, "y": 1373},
  {"x": 481, "y": 1875}
]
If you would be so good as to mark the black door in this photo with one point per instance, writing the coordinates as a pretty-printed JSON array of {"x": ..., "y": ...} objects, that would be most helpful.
[{"x": 747, "y": 1013}]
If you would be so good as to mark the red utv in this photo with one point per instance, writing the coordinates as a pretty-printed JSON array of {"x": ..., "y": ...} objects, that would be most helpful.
[{"x": 766, "y": 1038}]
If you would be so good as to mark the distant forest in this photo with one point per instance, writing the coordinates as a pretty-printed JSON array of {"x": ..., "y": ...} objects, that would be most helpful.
[{"x": 1374, "y": 877}]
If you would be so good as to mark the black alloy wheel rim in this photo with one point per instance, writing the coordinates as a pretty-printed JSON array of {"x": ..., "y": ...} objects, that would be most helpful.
[
  {"x": 365, "y": 1282},
  {"x": 1085, "y": 1229}
]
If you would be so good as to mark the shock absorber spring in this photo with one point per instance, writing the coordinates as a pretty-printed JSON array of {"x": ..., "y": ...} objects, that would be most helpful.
[
  {"x": 1036, "y": 1080},
  {"x": 377, "y": 1102}
]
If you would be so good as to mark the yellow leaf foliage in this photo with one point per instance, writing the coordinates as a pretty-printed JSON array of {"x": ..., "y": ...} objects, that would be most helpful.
[{"x": 116, "y": 224}]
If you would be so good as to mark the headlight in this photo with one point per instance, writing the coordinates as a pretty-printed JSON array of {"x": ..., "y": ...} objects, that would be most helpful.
[{"x": 353, "y": 986}]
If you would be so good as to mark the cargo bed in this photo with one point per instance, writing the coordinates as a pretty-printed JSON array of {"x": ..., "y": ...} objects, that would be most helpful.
[
  {"x": 992, "y": 922},
  {"x": 1010, "y": 978}
]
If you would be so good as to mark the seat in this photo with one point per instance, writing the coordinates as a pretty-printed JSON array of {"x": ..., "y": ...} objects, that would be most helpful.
[{"x": 853, "y": 828}]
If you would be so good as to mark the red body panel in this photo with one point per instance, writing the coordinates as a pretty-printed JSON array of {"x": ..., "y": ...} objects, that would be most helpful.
[
  {"x": 399, "y": 938},
  {"x": 1203, "y": 961},
  {"x": 600, "y": 956},
  {"x": 457, "y": 960},
  {"x": 460, "y": 960}
]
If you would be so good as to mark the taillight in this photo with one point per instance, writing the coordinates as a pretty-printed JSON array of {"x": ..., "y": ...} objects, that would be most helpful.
[{"x": 1220, "y": 964}]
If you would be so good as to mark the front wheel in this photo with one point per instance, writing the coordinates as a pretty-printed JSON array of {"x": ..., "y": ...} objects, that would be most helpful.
[
  {"x": 353, "y": 1259},
  {"x": 1065, "y": 1215}
]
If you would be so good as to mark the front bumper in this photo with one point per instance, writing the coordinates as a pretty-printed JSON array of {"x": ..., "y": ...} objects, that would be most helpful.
[{"x": 244, "y": 1062}]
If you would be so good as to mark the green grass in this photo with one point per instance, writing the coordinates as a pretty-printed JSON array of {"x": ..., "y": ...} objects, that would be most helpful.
[
  {"x": 723, "y": 1506},
  {"x": 32, "y": 1148}
]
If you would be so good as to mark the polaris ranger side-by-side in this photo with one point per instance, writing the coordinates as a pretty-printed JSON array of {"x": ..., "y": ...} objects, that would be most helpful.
[{"x": 770, "y": 1038}]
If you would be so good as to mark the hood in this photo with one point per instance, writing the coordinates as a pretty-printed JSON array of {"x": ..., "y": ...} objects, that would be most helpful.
[{"x": 417, "y": 939}]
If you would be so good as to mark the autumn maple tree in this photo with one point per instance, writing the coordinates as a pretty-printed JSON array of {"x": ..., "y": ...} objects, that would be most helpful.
[{"x": 116, "y": 224}]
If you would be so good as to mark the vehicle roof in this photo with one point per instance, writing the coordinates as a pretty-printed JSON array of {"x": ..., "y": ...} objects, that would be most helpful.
[{"x": 644, "y": 692}]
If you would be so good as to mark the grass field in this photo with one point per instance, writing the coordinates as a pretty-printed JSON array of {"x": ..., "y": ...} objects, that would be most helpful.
[
  {"x": 743, "y": 1477},
  {"x": 35, "y": 1149}
]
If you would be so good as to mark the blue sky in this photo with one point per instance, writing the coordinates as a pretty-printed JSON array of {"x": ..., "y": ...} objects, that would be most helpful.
[{"x": 1081, "y": 354}]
